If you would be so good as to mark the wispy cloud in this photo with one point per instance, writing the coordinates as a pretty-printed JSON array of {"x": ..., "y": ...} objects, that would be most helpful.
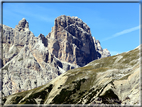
[
  {"x": 38, "y": 16},
  {"x": 27, "y": 11},
  {"x": 122, "y": 33}
]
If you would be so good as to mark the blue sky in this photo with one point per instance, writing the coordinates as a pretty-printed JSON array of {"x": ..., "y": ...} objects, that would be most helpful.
[{"x": 115, "y": 25}]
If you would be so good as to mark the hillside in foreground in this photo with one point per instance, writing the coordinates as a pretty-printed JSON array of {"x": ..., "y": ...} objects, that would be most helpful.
[{"x": 109, "y": 80}]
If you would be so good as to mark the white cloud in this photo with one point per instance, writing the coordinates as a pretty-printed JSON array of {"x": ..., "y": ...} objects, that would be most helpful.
[{"x": 122, "y": 32}]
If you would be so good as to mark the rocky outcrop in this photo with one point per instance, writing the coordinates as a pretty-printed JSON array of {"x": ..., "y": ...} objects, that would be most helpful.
[
  {"x": 101, "y": 53},
  {"x": 23, "y": 25},
  {"x": 30, "y": 61},
  {"x": 112, "y": 80},
  {"x": 70, "y": 40}
]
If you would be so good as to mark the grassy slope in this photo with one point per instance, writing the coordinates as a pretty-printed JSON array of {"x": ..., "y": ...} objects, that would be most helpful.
[{"x": 82, "y": 83}]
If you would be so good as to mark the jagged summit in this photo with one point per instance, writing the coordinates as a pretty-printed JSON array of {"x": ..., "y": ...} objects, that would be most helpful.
[
  {"x": 33, "y": 61},
  {"x": 71, "y": 41},
  {"x": 67, "y": 22},
  {"x": 23, "y": 25},
  {"x": 100, "y": 51}
]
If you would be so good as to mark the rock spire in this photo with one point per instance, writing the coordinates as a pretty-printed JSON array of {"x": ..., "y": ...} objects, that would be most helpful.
[{"x": 23, "y": 25}]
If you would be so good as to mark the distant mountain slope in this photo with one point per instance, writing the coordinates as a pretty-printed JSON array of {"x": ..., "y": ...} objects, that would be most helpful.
[
  {"x": 110, "y": 80},
  {"x": 30, "y": 61}
]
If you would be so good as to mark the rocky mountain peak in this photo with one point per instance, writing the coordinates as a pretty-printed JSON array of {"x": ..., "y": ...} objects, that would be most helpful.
[
  {"x": 34, "y": 61},
  {"x": 41, "y": 36},
  {"x": 67, "y": 22},
  {"x": 71, "y": 41},
  {"x": 23, "y": 25}
]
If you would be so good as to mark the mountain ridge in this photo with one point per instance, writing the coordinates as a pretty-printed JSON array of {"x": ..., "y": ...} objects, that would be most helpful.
[{"x": 30, "y": 61}]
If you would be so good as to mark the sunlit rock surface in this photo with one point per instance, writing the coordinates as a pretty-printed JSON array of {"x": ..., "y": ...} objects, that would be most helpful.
[
  {"x": 30, "y": 61},
  {"x": 110, "y": 80}
]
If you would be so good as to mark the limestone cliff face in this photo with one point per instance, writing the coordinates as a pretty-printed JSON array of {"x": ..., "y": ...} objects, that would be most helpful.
[
  {"x": 70, "y": 40},
  {"x": 101, "y": 53},
  {"x": 112, "y": 80},
  {"x": 30, "y": 61}
]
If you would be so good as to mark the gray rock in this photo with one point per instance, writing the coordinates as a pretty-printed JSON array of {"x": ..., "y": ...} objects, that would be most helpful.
[
  {"x": 71, "y": 41},
  {"x": 23, "y": 25},
  {"x": 101, "y": 53},
  {"x": 8, "y": 34},
  {"x": 30, "y": 61},
  {"x": 105, "y": 53},
  {"x": 112, "y": 80}
]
